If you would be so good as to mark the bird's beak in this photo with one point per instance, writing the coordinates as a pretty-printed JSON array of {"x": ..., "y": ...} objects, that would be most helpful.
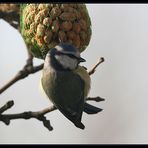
[{"x": 82, "y": 60}]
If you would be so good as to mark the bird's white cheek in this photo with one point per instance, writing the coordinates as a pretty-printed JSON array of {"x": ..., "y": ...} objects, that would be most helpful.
[{"x": 66, "y": 61}]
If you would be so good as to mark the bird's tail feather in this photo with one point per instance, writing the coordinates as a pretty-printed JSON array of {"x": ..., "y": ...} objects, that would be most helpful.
[
  {"x": 79, "y": 125},
  {"x": 90, "y": 109}
]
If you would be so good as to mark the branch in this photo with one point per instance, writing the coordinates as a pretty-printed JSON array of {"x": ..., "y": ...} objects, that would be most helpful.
[
  {"x": 27, "y": 69},
  {"x": 11, "y": 14},
  {"x": 97, "y": 99},
  {"x": 101, "y": 60},
  {"x": 39, "y": 115},
  {"x": 30, "y": 69},
  {"x": 8, "y": 105}
]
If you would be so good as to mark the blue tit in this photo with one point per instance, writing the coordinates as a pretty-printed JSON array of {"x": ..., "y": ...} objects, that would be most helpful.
[{"x": 66, "y": 83}]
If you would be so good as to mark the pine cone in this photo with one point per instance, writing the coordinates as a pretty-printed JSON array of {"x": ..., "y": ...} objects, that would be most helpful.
[{"x": 44, "y": 26}]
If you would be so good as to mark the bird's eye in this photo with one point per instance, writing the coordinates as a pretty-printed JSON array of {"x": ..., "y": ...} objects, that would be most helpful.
[
  {"x": 72, "y": 56},
  {"x": 58, "y": 53}
]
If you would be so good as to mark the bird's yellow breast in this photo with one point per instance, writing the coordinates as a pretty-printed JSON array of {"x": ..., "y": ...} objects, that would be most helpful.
[{"x": 85, "y": 77}]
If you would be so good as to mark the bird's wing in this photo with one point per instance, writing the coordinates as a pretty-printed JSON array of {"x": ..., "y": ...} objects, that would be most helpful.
[
  {"x": 81, "y": 71},
  {"x": 66, "y": 91},
  {"x": 41, "y": 87},
  {"x": 71, "y": 97}
]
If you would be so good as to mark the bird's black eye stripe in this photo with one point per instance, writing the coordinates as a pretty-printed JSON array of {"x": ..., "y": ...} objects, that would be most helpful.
[{"x": 70, "y": 55}]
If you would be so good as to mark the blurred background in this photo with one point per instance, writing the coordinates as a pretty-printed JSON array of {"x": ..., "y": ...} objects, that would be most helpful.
[{"x": 120, "y": 35}]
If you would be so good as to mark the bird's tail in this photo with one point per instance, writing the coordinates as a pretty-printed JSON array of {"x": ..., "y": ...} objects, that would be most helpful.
[
  {"x": 90, "y": 109},
  {"x": 79, "y": 125}
]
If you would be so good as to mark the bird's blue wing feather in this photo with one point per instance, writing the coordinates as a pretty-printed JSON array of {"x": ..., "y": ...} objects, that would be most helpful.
[{"x": 66, "y": 91}]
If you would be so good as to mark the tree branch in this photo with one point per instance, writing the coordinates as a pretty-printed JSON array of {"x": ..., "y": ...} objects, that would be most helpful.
[
  {"x": 39, "y": 115},
  {"x": 8, "y": 105},
  {"x": 101, "y": 60},
  {"x": 27, "y": 69},
  {"x": 30, "y": 69},
  {"x": 97, "y": 99},
  {"x": 11, "y": 14}
]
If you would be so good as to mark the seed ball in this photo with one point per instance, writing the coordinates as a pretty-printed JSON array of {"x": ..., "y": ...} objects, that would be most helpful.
[
  {"x": 47, "y": 21},
  {"x": 71, "y": 35},
  {"x": 83, "y": 35},
  {"x": 55, "y": 12},
  {"x": 83, "y": 24},
  {"x": 55, "y": 26},
  {"x": 67, "y": 16},
  {"x": 66, "y": 25},
  {"x": 44, "y": 26},
  {"x": 62, "y": 36},
  {"x": 48, "y": 37},
  {"x": 76, "y": 41},
  {"x": 40, "y": 30},
  {"x": 76, "y": 27}
]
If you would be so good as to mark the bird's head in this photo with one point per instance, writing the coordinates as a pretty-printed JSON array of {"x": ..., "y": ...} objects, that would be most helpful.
[{"x": 66, "y": 55}]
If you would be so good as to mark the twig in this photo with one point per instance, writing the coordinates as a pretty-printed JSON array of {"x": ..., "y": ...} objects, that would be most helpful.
[
  {"x": 8, "y": 105},
  {"x": 97, "y": 99},
  {"x": 39, "y": 115},
  {"x": 28, "y": 69},
  {"x": 10, "y": 13},
  {"x": 101, "y": 60}
]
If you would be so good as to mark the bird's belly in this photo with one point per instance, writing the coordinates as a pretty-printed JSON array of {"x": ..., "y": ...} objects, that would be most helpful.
[{"x": 49, "y": 82}]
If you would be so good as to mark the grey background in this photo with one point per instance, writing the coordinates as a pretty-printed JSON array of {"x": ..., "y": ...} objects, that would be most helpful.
[{"x": 120, "y": 35}]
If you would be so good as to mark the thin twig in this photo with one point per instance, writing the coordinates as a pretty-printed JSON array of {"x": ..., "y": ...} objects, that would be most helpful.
[
  {"x": 101, "y": 60},
  {"x": 11, "y": 15},
  {"x": 97, "y": 99},
  {"x": 8, "y": 105},
  {"x": 39, "y": 115},
  {"x": 30, "y": 69},
  {"x": 21, "y": 75}
]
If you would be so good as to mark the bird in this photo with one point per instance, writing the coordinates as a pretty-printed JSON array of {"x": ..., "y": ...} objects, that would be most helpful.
[{"x": 66, "y": 83}]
